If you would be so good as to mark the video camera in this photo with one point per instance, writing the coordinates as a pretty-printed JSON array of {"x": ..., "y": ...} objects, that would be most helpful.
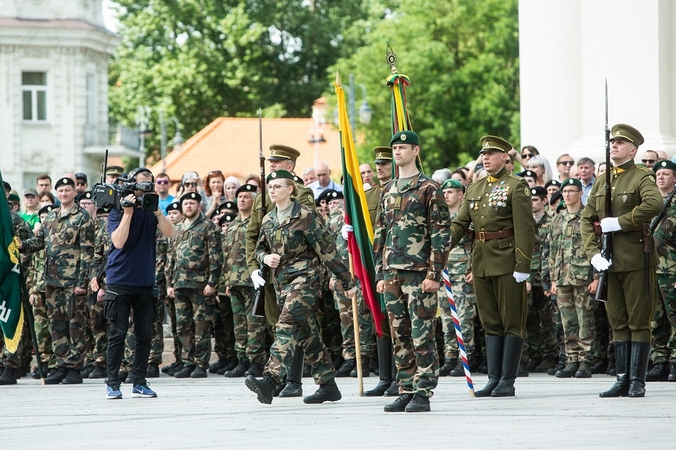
[{"x": 113, "y": 195}]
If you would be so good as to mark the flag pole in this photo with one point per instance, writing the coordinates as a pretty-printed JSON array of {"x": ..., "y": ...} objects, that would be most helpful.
[
  {"x": 458, "y": 334},
  {"x": 31, "y": 323},
  {"x": 357, "y": 337}
]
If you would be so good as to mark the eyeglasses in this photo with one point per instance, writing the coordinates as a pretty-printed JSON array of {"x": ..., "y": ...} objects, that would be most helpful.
[
  {"x": 276, "y": 187},
  {"x": 567, "y": 163},
  {"x": 165, "y": 182},
  {"x": 527, "y": 155},
  {"x": 648, "y": 161},
  {"x": 191, "y": 184}
]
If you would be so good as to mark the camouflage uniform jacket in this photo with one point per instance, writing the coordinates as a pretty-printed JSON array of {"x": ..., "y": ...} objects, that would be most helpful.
[
  {"x": 568, "y": 262},
  {"x": 235, "y": 269},
  {"x": 303, "y": 242},
  {"x": 171, "y": 249},
  {"x": 23, "y": 231},
  {"x": 197, "y": 256},
  {"x": 412, "y": 230},
  {"x": 69, "y": 245},
  {"x": 161, "y": 250},
  {"x": 665, "y": 242},
  {"x": 36, "y": 274},
  {"x": 460, "y": 257},
  {"x": 102, "y": 245},
  {"x": 539, "y": 265}
]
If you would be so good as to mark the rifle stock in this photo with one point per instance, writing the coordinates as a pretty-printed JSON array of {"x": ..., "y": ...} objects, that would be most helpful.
[
  {"x": 607, "y": 243},
  {"x": 259, "y": 301}
]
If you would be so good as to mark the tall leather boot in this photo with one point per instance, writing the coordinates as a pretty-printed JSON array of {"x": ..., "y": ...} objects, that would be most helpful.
[
  {"x": 640, "y": 351},
  {"x": 621, "y": 386},
  {"x": 511, "y": 356},
  {"x": 384, "y": 367},
  {"x": 393, "y": 390},
  {"x": 494, "y": 346},
  {"x": 294, "y": 385}
]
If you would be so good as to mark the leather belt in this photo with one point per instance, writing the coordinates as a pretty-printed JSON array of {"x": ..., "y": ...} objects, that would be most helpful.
[
  {"x": 484, "y": 236},
  {"x": 599, "y": 232}
]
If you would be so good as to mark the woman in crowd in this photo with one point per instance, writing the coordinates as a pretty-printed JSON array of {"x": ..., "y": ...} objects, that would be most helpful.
[{"x": 542, "y": 168}]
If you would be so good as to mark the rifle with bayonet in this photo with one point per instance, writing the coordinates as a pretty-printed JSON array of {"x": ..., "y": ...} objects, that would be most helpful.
[
  {"x": 607, "y": 242},
  {"x": 259, "y": 301}
]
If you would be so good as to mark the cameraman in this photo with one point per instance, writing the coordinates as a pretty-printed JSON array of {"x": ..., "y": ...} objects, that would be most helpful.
[{"x": 130, "y": 277}]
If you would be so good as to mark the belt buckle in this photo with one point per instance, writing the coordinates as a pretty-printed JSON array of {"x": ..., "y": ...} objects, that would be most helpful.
[{"x": 482, "y": 236}]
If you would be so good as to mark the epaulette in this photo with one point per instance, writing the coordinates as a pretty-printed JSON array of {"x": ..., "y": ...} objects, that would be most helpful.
[{"x": 516, "y": 177}]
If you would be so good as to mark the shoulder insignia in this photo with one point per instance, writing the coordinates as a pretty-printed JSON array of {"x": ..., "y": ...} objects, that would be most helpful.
[
  {"x": 527, "y": 191},
  {"x": 516, "y": 177},
  {"x": 310, "y": 198},
  {"x": 651, "y": 178}
]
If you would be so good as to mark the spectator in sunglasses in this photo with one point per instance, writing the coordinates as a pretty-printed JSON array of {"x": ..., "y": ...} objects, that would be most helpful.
[
  {"x": 191, "y": 182},
  {"x": 527, "y": 152},
  {"x": 649, "y": 158},
  {"x": 563, "y": 165},
  {"x": 162, "y": 186}
]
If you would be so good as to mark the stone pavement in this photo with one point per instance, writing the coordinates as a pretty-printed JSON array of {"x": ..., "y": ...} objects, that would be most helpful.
[{"x": 219, "y": 412}]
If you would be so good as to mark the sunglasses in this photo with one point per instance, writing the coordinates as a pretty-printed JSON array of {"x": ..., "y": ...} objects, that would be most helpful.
[
  {"x": 527, "y": 155},
  {"x": 191, "y": 184},
  {"x": 162, "y": 181},
  {"x": 567, "y": 163},
  {"x": 648, "y": 161},
  {"x": 81, "y": 183}
]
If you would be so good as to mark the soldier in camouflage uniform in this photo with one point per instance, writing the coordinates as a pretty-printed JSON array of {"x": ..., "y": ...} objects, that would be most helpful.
[
  {"x": 540, "y": 346},
  {"x": 573, "y": 282},
  {"x": 193, "y": 269},
  {"x": 344, "y": 304},
  {"x": 411, "y": 246},
  {"x": 459, "y": 268},
  {"x": 665, "y": 244},
  {"x": 249, "y": 330},
  {"x": 68, "y": 237},
  {"x": 292, "y": 243}
]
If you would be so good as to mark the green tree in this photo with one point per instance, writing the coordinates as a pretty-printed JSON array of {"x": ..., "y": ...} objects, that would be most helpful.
[{"x": 462, "y": 59}]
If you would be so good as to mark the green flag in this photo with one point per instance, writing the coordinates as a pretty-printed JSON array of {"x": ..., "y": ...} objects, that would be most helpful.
[{"x": 11, "y": 313}]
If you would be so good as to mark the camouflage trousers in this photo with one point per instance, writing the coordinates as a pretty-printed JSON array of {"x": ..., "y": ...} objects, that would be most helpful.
[
  {"x": 328, "y": 318},
  {"x": 667, "y": 332},
  {"x": 224, "y": 329},
  {"x": 411, "y": 313},
  {"x": 249, "y": 330},
  {"x": 465, "y": 305},
  {"x": 157, "y": 336},
  {"x": 67, "y": 326},
  {"x": 172, "y": 319},
  {"x": 540, "y": 339},
  {"x": 96, "y": 332},
  {"x": 366, "y": 331},
  {"x": 42, "y": 333},
  {"x": 297, "y": 325},
  {"x": 579, "y": 324},
  {"x": 194, "y": 319}
]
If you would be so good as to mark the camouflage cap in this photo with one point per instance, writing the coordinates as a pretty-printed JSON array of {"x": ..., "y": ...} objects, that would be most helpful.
[
  {"x": 65, "y": 181},
  {"x": 280, "y": 152},
  {"x": 571, "y": 182},
  {"x": 664, "y": 164},
  {"x": 227, "y": 206},
  {"x": 627, "y": 133},
  {"x": 191, "y": 196},
  {"x": 405, "y": 137},
  {"x": 494, "y": 143},
  {"x": 174, "y": 206},
  {"x": 452, "y": 183},
  {"x": 538, "y": 191},
  {"x": 382, "y": 154},
  {"x": 246, "y": 188},
  {"x": 278, "y": 175},
  {"x": 47, "y": 208}
]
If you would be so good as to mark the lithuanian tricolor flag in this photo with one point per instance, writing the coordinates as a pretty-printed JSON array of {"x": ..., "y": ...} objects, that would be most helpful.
[
  {"x": 360, "y": 242},
  {"x": 11, "y": 313}
]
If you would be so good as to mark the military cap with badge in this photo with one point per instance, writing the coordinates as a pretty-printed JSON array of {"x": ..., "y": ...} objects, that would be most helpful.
[
  {"x": 65, "y": 181},
  {"x": 46, "y": 209},
  {"x": 382, "y": 154},
  {"x": 626, "y": 133},
  {"x": 664, "y": 164},
  {"x": 279, "y": 152},
  {"x": 538, "y": 191},
  {"x": 246, "y": 188},
  {"x": 405, "y": 137},
  {"x": 228, "y": 206},
  {"x": 553, "y": 182},
  {"x": 452, "y": 183},
  {"x": 191, "y": 196},
  {"x": 174, "y": 206},
  {"x": 489, "y": 143},
  {"x": 571, "y": 182},
  {"x": 87, "y": 195},
  {"x": 226, "y": 218}
]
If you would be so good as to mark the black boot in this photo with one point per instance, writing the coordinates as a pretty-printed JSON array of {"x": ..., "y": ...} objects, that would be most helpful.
[
  {"x": 8, "y": 376},
  {"x": 291, "y": 389},
  {"x": 263, "y": 387},
  {"x": 255, "y": 369},
  {"x": 56, "y": 376},
  {"x": 100, "y": 372},
  {"x": 74, "y": 377},
  {"x": 393, "y": 390},
  {"x": 640, "y": 352},
  {"x": 447, "y": 368},
  {"x": 227, "y": 366},
  {"x": 346, "y": 368},
  {"x": 511, "y": 356},
  {"x": 600, "y": 367},
  {"x": 458, "y": 370},
  {"x": 621, "y": 386},
  {"x": 400, "y": 404},
  {"x": 174, "y": 370},
  {"x": 568, "y": 371},
  {"x": 185, "y": 372},
  {"x": 584, "y": 371},
  {"x": 295, "y": 373},
  {"x": 384, "y": 367},
  {"x": 659, "y": 372},
  {"x": 494, "y": 349},
  {"x": 418, "y": 403},
  {"x": 153, "y": 370},
  {"x": 364, "y": 368},
  {"x": 239, "y": 371},
  {"x": 327, "y": 392},
  {"x": 174, "y": 365},
  {"x": 672, "y": 372}
]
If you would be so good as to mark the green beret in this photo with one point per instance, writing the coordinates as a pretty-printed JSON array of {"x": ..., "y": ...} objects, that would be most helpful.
[
  {"x": 382, "y": 154},
  {"x": 65, "y": 181},
  {"x": 191, "y": 196},
  {"x": 452, "y": 183},
  {"x": 14, "y": 198},
  {"x": 571, "y": 182},
  {"x": 280, "y": 174},
  {"x": 174, "y": 206},
  {"x": 405, "y": 137},
  {"x": 494, "y": 143},
  {"x": 280, "y": 152},
  {"x": 664, "y": 164},
  {"x": 626, "y": 132}
]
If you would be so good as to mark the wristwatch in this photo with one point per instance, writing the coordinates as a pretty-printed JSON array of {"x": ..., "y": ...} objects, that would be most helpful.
[{"x": 431, "y": 275}]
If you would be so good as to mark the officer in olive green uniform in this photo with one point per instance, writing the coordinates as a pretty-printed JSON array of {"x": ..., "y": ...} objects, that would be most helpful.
[
  {"x": 635, "y": 201},
  {"x": 499, "y": 207}
]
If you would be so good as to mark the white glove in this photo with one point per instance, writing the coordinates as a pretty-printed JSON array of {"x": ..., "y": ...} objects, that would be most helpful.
[
  {"x": 258, "y": 280},
  {"x": 600, "y": 263},
  {"x": 520, "y": 277},
  {"x": 345, "y": 230},
  {"x": 610, "y": 224}
]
